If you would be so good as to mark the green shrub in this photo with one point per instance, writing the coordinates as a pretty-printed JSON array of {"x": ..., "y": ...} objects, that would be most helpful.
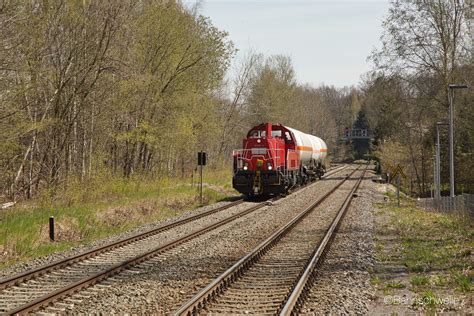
[
  {"x": 419, "y": 280},
  {"x": 462, "y": 281}
]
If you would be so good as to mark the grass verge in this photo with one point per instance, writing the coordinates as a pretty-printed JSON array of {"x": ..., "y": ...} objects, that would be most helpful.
[
  {"x": 434, "y": 249},
  {"x": 101, "y": 207}
]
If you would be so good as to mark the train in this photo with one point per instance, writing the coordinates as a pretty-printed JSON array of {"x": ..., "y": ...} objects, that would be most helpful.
[{"x": 275, "y": 158}]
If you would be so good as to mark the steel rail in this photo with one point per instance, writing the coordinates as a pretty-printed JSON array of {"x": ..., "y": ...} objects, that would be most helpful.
[
  {"x": 117, "y": 268},
  {"x": 27, "y": 275},
  {"x": 30, "y": 274},
  {"x": 197, "y": 302},
  {"x": 86, "y": 282},
  {"x": 298, "y": 294}
]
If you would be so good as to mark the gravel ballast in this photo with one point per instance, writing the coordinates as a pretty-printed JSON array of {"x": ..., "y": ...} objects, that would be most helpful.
[
  {"x": 342, "y": 284},
  {"x": 264, "y": 286},
  {"x": 162, "y": 284}
]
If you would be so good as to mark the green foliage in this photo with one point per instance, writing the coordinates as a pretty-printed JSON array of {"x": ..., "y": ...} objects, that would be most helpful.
[
  {"x": 435, "y": 248},
  {"x": 428, "y": 298},
  {"x": 419, "y": 280},
  {"x": 361, "y": 122},
  {"x": 123, "y": 84},
  {"x": 375, "y": 280},
  {"x": 462, "y": 280},
  {"x": 425, "y": 47},
  {"x": 273, "y": 92},
  {"x": 394, "y": 285}
]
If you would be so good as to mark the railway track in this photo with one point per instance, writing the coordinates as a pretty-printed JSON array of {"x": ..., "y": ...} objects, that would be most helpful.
[
  {"x": 34, "y": 289},
  {"x": 25, "y": 276},
  {"x": 274, "y": 277}
]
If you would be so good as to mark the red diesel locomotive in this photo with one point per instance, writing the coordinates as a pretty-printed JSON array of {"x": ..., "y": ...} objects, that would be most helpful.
[{"x": 275, "y": 158}]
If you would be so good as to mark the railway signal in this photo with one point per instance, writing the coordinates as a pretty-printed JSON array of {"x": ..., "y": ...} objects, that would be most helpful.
[
  {"x": 357, "y": 133},
  {"x": 202, "y": 158}
]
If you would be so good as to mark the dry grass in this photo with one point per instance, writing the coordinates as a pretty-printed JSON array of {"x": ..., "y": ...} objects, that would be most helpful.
[{"x": 101, "y": 207}]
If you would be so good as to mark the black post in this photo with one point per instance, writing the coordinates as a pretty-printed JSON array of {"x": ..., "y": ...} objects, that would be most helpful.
[
  {"x": 201, "y": 163},
  {"x": 201, "y": 183},
  {"x": 51, "y": 228}
]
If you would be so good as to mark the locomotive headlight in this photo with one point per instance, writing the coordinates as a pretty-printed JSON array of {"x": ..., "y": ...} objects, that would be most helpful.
[
  {"x": 259, "y": 140},
  {"x": 246, "y": 166},
  {"x": 269, "y": 166}
]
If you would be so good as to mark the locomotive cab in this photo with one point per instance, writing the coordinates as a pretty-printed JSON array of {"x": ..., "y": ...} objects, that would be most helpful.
[
  {"x": 258, "y": 164},
  {"x": 275, "y": 158}
]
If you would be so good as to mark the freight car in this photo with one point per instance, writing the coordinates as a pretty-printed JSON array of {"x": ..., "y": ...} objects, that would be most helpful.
[{"x": 276, "y": 158}]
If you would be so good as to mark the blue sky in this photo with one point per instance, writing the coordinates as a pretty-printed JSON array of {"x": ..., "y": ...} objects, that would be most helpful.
[{"x": 328, "y": 41}]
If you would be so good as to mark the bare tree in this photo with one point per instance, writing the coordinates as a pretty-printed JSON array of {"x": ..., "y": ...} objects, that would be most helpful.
[
  {"x": 425, "y": 37},
  {"x": 233, "y": 109}
]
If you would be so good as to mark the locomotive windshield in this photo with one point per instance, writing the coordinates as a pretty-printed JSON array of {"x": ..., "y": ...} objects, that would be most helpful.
[
  {"x": 257, "y": 133},
  {"x": 276, "y": 133}
]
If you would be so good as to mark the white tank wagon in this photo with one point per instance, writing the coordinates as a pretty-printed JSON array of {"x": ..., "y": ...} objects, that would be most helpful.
[{"x": 310, "y": 148}]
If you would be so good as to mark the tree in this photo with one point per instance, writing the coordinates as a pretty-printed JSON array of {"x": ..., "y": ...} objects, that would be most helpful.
[
  {"x": 272, "y": 92},
  {"x": 316, "y": 115},
  {"x": 126, "y": 86},
  {"x": 361, "y": 147},
  {"x": 425, "y": 37},
  {"x": 382, "y": 100},
  {"x": 424, "y": 47},
  {"x": 233, "y": 110}
]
